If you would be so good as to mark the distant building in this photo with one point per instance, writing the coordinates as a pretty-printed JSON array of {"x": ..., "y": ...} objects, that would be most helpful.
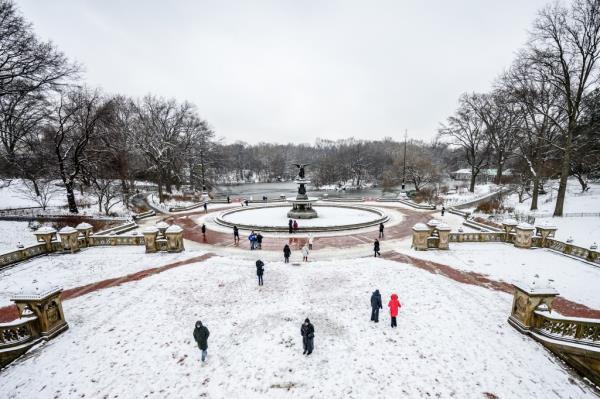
[{"x": 485, "y": 175}]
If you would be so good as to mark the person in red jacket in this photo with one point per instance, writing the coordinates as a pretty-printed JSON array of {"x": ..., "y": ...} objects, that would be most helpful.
[{"x": 394, "y": 305}]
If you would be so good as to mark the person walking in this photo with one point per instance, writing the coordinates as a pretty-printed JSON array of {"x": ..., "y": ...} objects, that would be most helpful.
[
  {"x": 295, "y": 226},
  {"x": 375, "y": 306},
  {"x": 443, "y": 210},
  {"x": 236, "y": 235},
  {"x": 260, "y": 271},
  {"x": 203, "y": 228},
  {"x": 307, "y": 330},
  {"x": 394, "y": 305},
  {"x": 305, "y": 252},
  {"x": 201, "y": 334},
  {"x": 205, "y": 207},
  {"x": 259, "y": 239},
  {"x": 286, "y": 253},
  {"x": 381, "y": 230},
  {"x": 252, "y": 239},
  {"x": 246, "y": 202},
  {"x": 290, "y": 226},
  {"x": 311, "y": 240},
  {"x": 376, "y": 248},
  {"x": 228, "y": 200}
]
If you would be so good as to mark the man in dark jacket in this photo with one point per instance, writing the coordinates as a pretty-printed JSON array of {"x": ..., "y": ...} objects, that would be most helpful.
[
  {"x": 308, "y": 335},
  {"x": 286, "y": 253},
  {"x": 381, "y": 230},
  {"x": 375, "y": 306},
  {"x": 260, "y": 271},
  {"x": 236, "y": 235},
  {"x": 290, "y": 226},
  {"x": 259, "y": 238},
  {"x": 203, "y": 229},
  {"x": 376, "y": 248},
  {"x": 201, "y": 334}
]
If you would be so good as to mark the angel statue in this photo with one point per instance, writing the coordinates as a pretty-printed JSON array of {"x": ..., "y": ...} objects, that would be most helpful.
[{"x": 301, "y": 166}]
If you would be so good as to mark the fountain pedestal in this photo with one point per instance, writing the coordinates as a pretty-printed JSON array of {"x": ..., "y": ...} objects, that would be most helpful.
[{"x": 302, "y": 204}]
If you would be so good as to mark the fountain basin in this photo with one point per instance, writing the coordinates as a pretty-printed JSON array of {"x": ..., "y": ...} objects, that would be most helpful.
[{"x": 331, "y": 218}]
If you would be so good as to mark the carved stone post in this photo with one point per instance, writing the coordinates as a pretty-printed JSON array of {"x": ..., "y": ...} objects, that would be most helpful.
[
  {"x": 47, "y": 307},
  {"x": 162, "y": 226},
  {"x": 174, "y": 235},
  {"x": 85, "y": 229},
  {"x": 150, "y": 233},
  {"x": 525, "y": 302},
  {"x": 545, "y": 231},
  {"x": 69, "y": 238},
  {"x": 432, "y": 224},
  {"x": 46, "y": 235},
  {"x": 444, "y": 234},
  {"x": 524, "y": 235},
  {"x": 420, "y": 234},
  {"x": 508, "y": 225}
]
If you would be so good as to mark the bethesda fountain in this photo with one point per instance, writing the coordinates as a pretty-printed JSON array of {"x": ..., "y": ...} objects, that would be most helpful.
[{"x": 302, "y": 204}]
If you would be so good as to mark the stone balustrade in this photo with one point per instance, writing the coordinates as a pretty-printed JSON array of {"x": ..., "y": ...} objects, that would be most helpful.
[
  {"x": 41, "y": 318},
  {"x": 574, "y": 340},
  {"x": 69, "y": 237}
]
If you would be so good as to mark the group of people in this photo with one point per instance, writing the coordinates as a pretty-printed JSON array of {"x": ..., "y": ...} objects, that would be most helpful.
[
  {"x": 292, "y": 226},
  {"x": 255, "y": 240},
  {"x": 376, "y": 304},
  {"x": 307, "y": 330}
]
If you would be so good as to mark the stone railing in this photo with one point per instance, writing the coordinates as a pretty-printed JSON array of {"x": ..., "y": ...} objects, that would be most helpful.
[
  {"x": 485, "y": 236},
  {"x": 415, "y": 205},
  {"x": 41, "y": 318},
  {"x": 591, "y": 255},
  {"x": 122, "y": 228},
  {"x": 144, "y": 215},
  {"x": 186, "y": 208},
  {"x": 575, "y": 340},
  {"x": 71, "y": 240}
]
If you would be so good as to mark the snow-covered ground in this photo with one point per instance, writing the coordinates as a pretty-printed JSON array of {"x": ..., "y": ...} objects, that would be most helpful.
[
  {"x": 135, "y": 340},
  {"x": 573, "y": 279},
  {"x": 73, "y": 270},
  {"x": 277, "y": 216},
  {"x": 462, "y": 195},
  {"x": 12, "y": 233}
]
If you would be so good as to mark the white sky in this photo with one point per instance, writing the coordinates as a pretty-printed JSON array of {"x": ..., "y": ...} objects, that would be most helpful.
[{"x": 292, "y": 71}]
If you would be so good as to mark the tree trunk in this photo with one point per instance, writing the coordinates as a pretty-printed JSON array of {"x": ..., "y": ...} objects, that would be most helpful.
[
  {"x": 71, "y": 198},
  {"x": 535, "y": 193},
  {"x": 160, "y": 192},
  {"x": 564, "y": 173},
  {"x": 582, "y": 182},
  {"x": 473, "y": 177},
  {"x": 36, "y": 188},
  {"x": 500, "y": 168}
]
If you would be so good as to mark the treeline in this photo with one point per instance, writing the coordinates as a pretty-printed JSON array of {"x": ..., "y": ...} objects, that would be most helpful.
[{"x": 543, "y": 112}]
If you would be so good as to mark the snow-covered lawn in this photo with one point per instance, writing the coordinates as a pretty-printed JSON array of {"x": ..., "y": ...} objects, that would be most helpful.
[
  {"x": 12, "y": 233},
  {"x": 574, "y": 280},
  {"x": 277, "y": 216},
  {"x": 73, "y": 270},
  {"x": 583, "y": 230},
  {"x": 135, "y": 340}
]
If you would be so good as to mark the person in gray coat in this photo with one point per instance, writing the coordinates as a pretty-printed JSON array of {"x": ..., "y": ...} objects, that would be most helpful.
[{"x": 375, "y": 306}]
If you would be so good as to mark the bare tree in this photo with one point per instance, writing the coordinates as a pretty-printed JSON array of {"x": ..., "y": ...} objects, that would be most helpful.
[
  {"x": 565, "y": 48},
  {"x": 41, "y": 193},
  {"x": 466, "y": 130},
  {"x": 74, "y": 122}
]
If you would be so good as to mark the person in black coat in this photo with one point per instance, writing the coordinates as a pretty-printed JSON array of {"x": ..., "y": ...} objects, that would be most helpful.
[
  {"x": 290, "y": 226},
  {"x": 228, "y": 200},
  {"x": 376, "y": 248},
  {"x": 443, "y": 210},
  {"x": 260, "y": 271},
  {"x": 236, "y": 235},
  {"x": 308, "y": 335},
  {"x": 205, "y": 207},
  {"x": 201, "y": 334},
  {"x": 259, "y": 239},
  {"x": 381, "y": 230},
  {"x": 375, "y": 306},
  {"x": 286, "y": 253},
  {"x": 203, "y": 229}
]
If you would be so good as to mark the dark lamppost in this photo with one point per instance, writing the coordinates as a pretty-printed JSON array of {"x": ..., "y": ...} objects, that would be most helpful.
[{"x": 404, "y": 163}]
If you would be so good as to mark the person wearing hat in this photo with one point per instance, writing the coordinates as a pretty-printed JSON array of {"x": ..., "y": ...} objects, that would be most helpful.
[
  {"x": 308, "y": 335},
  {"x": 201, "y": 334}
]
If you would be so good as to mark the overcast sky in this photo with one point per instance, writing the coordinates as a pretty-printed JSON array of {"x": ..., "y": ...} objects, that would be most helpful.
[{"x": 292, "y": 71}]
